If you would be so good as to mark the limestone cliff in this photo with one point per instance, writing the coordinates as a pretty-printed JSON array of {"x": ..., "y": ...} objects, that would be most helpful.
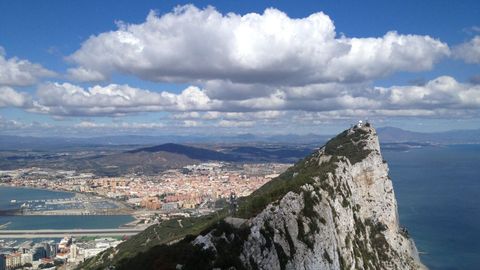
[
  {"x": 344, "y": 219},
  {"x": 335, "y": 209}
]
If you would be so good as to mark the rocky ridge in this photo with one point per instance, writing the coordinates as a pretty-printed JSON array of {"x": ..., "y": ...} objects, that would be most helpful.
[{"x": 351, "y": 221}]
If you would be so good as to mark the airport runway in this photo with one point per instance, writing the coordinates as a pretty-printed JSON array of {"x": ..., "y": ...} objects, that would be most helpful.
[{"x": 61, "y": 233}]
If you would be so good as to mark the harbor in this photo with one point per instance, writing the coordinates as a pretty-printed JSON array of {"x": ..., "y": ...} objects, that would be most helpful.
[
  {"x": 79, "y": 204},
  {"x": 49, "y": 209}
]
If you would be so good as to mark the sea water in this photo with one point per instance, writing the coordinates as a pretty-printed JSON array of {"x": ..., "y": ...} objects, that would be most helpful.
[{"x": 438, "y": 194}]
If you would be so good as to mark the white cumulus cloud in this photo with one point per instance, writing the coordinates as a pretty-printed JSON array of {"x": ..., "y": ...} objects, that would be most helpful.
[
  {"x": 190, "y": 44},
  {"x": 19, "y": 72},
  {"x": 120, "y": 125},
  {"x": 84, "y": 75},
  {"x": 440, "y": 93},
  {"x": 468, "y": 51},
  {"x": 11, "y": 98},
  {"x": 113, "y": 99},
  {"x": 193, "y": 104}
]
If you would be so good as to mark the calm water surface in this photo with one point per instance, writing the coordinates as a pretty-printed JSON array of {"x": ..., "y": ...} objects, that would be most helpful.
[{"x": 438, "y": 194}]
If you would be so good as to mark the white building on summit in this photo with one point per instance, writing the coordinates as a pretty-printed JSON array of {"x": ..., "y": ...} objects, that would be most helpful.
[{"x": 361, "y": 124}]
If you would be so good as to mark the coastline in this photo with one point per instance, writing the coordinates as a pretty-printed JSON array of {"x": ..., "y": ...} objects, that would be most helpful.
[{"x": 38, "y": 188}]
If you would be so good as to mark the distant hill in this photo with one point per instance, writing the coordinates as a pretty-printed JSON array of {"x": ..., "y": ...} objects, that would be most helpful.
[
  {"x": 138, "y": 162},
  {"x": 188, "y": 151},
  {"x": 277, "y": 153}
]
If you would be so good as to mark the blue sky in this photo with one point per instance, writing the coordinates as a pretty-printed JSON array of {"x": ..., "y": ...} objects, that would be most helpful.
[{"x": 100, "y": 67}]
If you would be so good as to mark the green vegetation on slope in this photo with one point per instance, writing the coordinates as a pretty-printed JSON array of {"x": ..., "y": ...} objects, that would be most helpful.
[
  {"x": 161, "y": 234},
  {"x": 227, "y": 240},
  {"x": 348, "y": 145},
  {"x": 300, "y": 174},
  {"x": 303, "y": 172}
]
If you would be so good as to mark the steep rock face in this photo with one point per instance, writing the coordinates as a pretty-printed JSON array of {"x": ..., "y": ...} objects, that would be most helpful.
[{"x": 343, "y": 217}]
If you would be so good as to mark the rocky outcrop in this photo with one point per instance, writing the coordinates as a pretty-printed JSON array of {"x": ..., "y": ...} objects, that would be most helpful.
[{"x": 345, "y": 218}]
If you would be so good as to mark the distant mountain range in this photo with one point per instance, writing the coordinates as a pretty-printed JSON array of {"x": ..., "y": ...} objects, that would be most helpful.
[
  {"x": 8, "y": 142},
  {"x": 386, "y": 134}
]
